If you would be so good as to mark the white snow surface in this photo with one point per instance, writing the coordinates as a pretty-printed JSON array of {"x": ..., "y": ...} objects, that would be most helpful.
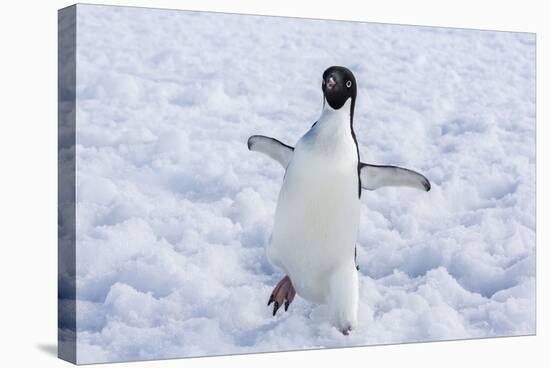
[{"x": 174, "y": 213}]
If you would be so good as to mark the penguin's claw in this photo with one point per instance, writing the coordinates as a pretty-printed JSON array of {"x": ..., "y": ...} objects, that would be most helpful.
[
  {"x": 275, "y": 308},
  {"x": 283, "y": 293}
]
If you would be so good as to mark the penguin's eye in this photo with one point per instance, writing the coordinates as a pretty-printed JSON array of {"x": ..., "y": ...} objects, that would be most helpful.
[{"x": 348, "y": 84}]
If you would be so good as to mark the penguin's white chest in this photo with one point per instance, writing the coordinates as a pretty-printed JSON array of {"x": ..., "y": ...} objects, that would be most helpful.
[{"x": 317, "y": 215}]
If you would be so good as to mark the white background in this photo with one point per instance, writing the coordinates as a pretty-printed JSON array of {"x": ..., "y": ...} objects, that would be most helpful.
[{"x": 28, "y": 185}]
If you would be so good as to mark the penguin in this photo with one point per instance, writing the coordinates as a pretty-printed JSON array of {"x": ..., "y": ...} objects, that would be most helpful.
[{"x": 313, "y": 240}]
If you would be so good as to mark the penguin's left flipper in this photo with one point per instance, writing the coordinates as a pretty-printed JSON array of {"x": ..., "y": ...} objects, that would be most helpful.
[
  {"x": 375, "y": 176},
  {"x": 271, "y": 147}
]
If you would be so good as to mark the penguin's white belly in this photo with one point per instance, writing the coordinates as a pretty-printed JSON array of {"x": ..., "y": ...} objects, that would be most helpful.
[{"x": 317, "y": 216}]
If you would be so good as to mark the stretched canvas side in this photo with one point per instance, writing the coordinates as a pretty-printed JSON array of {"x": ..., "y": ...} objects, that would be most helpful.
[{"x": 66, "y": 256}]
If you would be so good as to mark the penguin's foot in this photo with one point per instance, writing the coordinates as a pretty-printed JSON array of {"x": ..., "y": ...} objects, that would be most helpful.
[
  {"x": 283, "y": 293},
  {"x": 345, "y": 331}
]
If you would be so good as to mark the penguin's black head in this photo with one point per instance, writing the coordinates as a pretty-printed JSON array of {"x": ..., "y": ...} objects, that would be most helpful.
[{"x": 338, "y": 85}]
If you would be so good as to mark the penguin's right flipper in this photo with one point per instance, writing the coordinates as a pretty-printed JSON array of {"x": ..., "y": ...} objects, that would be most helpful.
[
  {"x": 271, "y": 147},
  {"x": 375, "y": 176}
]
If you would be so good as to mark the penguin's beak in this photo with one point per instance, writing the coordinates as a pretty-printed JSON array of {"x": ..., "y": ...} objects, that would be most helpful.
[{"x": 330, "y": 83}]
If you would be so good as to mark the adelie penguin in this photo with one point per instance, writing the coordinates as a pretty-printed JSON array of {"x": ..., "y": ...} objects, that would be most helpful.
[{"x": 317, "y": 217}]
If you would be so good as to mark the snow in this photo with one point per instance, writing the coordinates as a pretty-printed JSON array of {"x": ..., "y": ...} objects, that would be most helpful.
[{"x": 174, "y": 213}]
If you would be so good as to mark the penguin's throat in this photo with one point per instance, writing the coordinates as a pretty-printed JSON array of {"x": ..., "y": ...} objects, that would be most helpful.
[
  {"x": 333, "y": 124},
  {"x": 341, "y": 115}
]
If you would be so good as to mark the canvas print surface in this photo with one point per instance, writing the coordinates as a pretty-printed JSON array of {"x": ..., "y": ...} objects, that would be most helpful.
[{"x": 389, "y": 199}]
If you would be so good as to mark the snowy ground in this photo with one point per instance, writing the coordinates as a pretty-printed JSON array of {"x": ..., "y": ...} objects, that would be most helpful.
[{"x": 174, "y": 212}]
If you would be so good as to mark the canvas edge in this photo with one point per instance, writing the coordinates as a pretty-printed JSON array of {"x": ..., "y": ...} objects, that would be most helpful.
[{"x": 66, "y": 196}]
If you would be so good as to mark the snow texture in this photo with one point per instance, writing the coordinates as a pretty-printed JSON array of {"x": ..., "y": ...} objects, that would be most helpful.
[{"x": 174, "y": 213}]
